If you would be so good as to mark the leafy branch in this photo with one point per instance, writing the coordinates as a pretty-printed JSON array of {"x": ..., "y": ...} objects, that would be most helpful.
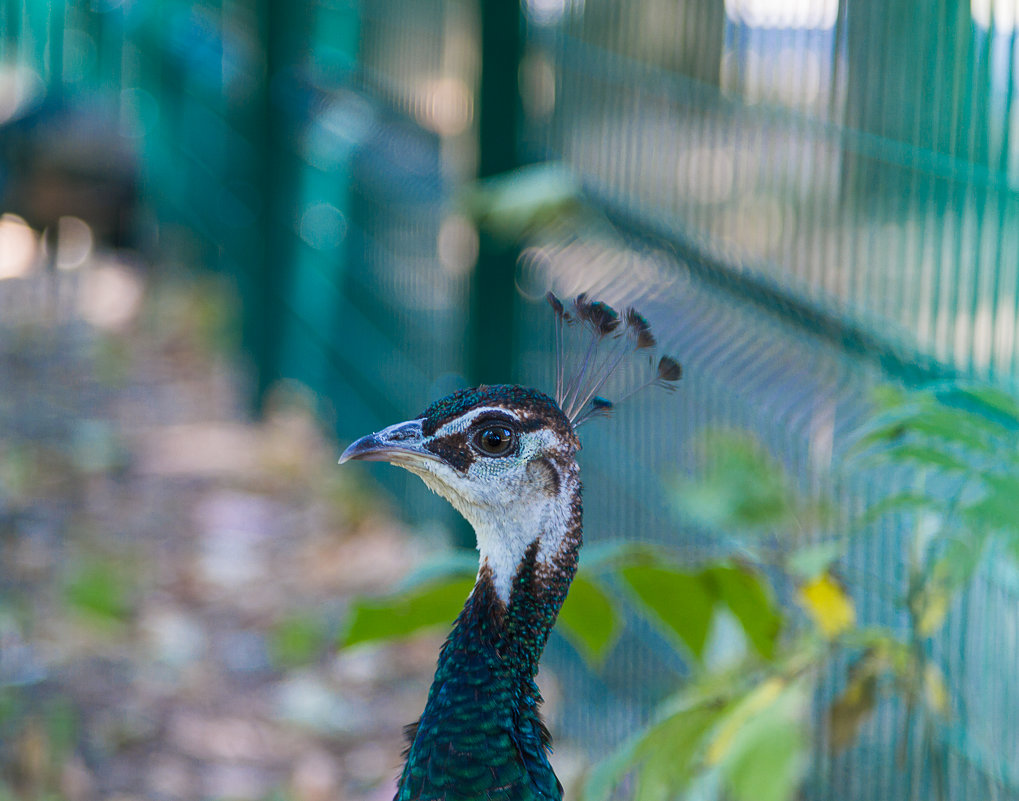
[{"x": 739, "y": 729}]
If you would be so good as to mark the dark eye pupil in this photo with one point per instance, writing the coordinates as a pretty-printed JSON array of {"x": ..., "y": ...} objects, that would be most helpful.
[{"x": 495, "y": 440}]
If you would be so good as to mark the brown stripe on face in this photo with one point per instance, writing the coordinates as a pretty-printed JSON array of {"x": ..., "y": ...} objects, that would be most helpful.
[
  {"x": 454, "y": 450},
  {"x": 545, "y": 473}
]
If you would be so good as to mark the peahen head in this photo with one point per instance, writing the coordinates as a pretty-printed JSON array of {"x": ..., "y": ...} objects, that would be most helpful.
[{"x": 504, "y": 457}]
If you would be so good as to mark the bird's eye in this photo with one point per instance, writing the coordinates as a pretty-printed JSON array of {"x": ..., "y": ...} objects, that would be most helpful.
[{"x": 494, "y": 440}]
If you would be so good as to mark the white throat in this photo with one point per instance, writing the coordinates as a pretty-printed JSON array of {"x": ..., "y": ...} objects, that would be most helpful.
[{"x": 504, "y": 537}]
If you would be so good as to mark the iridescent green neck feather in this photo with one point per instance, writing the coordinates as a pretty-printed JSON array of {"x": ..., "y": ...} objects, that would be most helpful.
[{"x": 481, "y": 734}]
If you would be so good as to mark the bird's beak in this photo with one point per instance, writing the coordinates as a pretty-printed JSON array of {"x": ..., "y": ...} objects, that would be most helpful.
[{"x": 401, "y": 444}]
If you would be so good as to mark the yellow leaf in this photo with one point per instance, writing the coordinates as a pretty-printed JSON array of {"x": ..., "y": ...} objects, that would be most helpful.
[
  {"x": 934, "y": 689},
  {"x": 933, "y": 614},
  {"x": 828, "y": 605},
  {"x": 759, "y": 699}
]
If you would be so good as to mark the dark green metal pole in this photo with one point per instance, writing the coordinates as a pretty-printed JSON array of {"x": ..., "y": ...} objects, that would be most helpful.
[
  {"x": 281, "y": 32},
  {"x": 492, "y": 342}
]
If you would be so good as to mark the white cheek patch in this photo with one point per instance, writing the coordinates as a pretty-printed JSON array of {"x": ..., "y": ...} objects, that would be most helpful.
[
  {"x": 517, "y": 510},
  {"x": 508, "y": 505}
]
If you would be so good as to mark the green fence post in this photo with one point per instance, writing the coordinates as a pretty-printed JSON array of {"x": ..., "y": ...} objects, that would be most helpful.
[
  {"x": 492, "y": 340},
  {"x": 282, "y": 30}
]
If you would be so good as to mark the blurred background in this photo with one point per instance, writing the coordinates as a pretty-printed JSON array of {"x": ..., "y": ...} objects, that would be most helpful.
[{"x": 237, "y": 234}]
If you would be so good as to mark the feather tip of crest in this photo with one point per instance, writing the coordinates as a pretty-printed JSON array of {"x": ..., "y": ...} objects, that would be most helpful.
[{"x": 669, "y": 370}]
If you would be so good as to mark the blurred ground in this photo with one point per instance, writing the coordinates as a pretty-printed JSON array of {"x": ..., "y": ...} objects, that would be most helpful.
[{"x": 174, "y": 575}]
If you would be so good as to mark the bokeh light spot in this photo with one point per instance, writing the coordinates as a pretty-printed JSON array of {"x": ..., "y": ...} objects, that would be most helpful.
[
  {"x": 445, "y": 105},
  {"x": 74, "y": 243},
  {"x": 111, "y": 296},
  {"x": 21, "y": 90},
  {"x": 784, "y": 14},
  {"x": 323, "y": 226},
  {"x": 19, "y": 247}
]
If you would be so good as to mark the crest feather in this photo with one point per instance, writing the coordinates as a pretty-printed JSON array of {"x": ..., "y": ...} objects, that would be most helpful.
[{"x": 610, "y": 343}]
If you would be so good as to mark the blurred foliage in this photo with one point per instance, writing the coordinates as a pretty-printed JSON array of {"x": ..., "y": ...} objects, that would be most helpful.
[
  {"x": 195, "y": 311},
  {"x": 743, "y": 489},
  {"x": 960, "y": 445},
  {"x": 35, "y": 743},
  {"x": 407, "y": 612},
  {"x": 100, "y": 591},
  {"x": 685, "y": 602},
  {"x": 739, "y": 727},
  {"x": 514, "y": 205},
  {"x": 297, "y": 640}
]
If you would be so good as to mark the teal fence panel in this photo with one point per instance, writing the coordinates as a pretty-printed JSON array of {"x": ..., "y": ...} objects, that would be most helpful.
[{"x": 806, "y": 200}]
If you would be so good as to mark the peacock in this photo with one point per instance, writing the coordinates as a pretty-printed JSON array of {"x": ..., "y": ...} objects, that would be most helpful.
[{"x": 505, "y": 457}]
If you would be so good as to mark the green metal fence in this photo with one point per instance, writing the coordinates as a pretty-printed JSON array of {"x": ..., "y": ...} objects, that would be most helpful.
[
  {"x": 809, "y": 198},
  {"x": 805, "y": 198}
]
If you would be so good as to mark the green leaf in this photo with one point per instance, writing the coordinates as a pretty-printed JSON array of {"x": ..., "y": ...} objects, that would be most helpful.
[
  {"x": 992, "y": 403},
  {"x": 663, "y": 755},
  {"x": 750, "y": 601},
  {"x": 960, "y": 558},
  {"x": 679, "y": 601},
  {"x": 297, "y": 640},
  {"x": 100, "y": 590},
  {"x": 923, "y": 455},
  {"x": 887, "y": 396},
  {"x": 998, "y": 509},
  {"x": 589, "y": 619},
  {"x": 952, "y": 426},
  {"x": 601, "y": 557},
  {"x": 812, "y": 560},
  {"x": 512, "y": 204},
  {"x": 899, "y": 502},
  {"x": 743, "y": 487},
  {"x": 406, "y": 613},
  {"x": 764, "y": 758},
  {"x": 770, "y": 769},
  {"x": 669, "y": 750},
  {"x": 683, "y": 603},
  {"x": 610, "y": 771}
]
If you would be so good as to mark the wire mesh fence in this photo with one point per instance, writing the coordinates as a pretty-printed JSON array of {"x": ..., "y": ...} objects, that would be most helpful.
[{"x": 846, "y": 187}]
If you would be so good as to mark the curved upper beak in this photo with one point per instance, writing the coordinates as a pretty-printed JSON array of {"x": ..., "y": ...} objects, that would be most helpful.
[{"x": 401, "y": 444}]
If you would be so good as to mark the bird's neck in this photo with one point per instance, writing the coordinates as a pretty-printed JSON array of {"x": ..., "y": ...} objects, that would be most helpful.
[{"x": 483, "y": 706}]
